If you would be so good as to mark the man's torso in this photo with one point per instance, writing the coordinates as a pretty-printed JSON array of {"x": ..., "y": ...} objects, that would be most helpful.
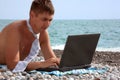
[{"x": 26, "y": 39}]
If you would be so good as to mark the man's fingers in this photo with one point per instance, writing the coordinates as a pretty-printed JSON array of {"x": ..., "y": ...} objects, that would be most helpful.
[
  {"x": 54, "y": 66},
  {"x": 54, "y": 62}
]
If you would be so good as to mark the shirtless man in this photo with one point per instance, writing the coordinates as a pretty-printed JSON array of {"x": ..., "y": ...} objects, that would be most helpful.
[{"x": 16, "y": 39}]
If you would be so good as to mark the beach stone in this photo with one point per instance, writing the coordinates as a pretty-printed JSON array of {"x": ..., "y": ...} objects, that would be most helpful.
[
  {"x": 5, "y": 75},
  {"x": 30, "y": 78},
  {"x": 91, "y": 77},
  {"x": 113, "y": 78},
  {"x": 97, "y": 79},
  {"x": 71, "y": 78},
  {"x": 24, "y": 73},
  {"x": 40, "y": 77},
  {"x": 34, "y": 77},
  {"x": 9, "y": 73},
  {"x": 18, "y": 77},
  {"x": 55, "y": 77},
  {"x": 39, "y": 73},
  {"x": 47, "y": 76},
  {"x": 19, "y": 74},
  {"x": 84, "y": 76},
  {"x": 12, "y": 78},
  {"x": 27, "y": 75},
  {"x": 76, "y": 78},
  {"x": 2, "y": 77},
  {"x": 63, "y": 78},
  {"x": 23, "y": 77}
]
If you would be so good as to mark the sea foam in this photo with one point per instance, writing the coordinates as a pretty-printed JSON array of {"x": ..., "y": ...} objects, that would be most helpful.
[{"x": 117, "y": 49}]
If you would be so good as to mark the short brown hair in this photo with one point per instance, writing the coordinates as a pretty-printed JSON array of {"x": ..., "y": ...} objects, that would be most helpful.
[{"x": 40, "y": 6}]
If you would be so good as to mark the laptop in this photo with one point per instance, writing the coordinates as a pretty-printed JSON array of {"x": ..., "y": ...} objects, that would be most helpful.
[{"x": 78, "y": 52}]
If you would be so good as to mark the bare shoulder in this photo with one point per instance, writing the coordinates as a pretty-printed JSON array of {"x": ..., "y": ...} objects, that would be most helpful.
[{"x": 13, "y": 28}]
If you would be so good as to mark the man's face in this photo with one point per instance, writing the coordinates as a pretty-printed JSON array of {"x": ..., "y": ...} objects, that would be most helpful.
[{"x": 41, "y": 21}]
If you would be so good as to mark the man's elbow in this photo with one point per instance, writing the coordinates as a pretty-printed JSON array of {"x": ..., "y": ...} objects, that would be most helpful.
[{"x": 11, "y": 66}]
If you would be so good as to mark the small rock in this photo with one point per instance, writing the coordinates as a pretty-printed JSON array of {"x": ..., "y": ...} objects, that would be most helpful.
[
  {"x": 2, "y": 77},
  {"x": 9, "y": 73},
  {"x": 47, "y": 76},
  {"x": 63, "y": 78},
  {"x": 97, "y": 79}
]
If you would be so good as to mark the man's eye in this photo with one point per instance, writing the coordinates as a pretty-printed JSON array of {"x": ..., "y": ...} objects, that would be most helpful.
[
  {"x": 47, "y": 19},
  {"x": 50, "y": 20},
  {"x": 44, "y": 19}
]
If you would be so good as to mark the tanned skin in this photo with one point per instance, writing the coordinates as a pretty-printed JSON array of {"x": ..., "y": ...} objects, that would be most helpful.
[{"x": 16, "y": 41}]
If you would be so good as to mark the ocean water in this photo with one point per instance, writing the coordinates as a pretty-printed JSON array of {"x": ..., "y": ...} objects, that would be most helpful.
[{"x": 60, "y": 29}]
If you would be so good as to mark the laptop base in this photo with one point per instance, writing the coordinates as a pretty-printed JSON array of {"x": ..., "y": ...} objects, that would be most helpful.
[{"x": 64, "y": 68}]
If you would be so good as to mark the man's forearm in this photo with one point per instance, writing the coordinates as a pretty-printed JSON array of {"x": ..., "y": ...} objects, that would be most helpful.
[{"x": 34, "y": 65}]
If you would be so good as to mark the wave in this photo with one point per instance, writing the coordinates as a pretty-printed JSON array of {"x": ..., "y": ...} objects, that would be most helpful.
[{"x": 117, "y": 49}]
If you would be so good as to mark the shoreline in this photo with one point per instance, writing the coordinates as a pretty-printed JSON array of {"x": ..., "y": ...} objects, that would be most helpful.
[{"x": 115, "y": 49}]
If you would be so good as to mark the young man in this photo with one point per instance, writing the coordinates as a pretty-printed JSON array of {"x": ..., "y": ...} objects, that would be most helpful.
[{"x": 17, "y": 38}]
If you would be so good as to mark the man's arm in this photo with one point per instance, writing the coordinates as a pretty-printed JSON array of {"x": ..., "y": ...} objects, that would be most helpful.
[
  {"x": 45, "y": 45},
  {"x": 12, "y": 55}
]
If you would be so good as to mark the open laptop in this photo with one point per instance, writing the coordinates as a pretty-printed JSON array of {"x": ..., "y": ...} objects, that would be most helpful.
[{"x": 78, "y": 52}]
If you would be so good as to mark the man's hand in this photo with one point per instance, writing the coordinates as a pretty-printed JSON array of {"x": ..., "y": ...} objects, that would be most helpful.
[
  {"x": 50, "y": 62},
  {"x": 58, "y": 61}
]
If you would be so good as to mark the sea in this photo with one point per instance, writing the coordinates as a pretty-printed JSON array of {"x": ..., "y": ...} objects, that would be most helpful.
[{"x": 60, "y": 29}]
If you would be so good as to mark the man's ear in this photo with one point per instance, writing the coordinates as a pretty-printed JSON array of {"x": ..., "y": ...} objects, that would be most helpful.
[{"x": 32, "y": 14}]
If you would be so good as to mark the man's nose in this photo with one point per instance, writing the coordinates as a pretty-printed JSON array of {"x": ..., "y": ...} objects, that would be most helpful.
[{"x": 47, "y": 23}]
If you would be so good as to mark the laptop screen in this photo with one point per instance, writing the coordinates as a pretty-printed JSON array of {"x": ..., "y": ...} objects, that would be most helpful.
[{"x": 79, "y": 50}]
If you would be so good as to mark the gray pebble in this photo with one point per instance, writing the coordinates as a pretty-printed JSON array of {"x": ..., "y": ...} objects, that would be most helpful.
[
  {"x": 47, "y": 76},
  {"x": 2, "y": 77},
  {"x": 9, "y": 73}
]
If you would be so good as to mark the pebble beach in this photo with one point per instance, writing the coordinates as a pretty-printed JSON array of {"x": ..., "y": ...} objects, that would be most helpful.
[{"x": 101, "y": 59}]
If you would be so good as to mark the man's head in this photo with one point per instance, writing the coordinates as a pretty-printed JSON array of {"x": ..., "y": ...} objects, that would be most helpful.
[
  {"x": 41, "y": 6},
  {"x": 41, "y": 14}
]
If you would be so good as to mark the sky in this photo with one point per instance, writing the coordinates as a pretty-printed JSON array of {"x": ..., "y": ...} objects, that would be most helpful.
[{"x": 64, "y": 9}]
